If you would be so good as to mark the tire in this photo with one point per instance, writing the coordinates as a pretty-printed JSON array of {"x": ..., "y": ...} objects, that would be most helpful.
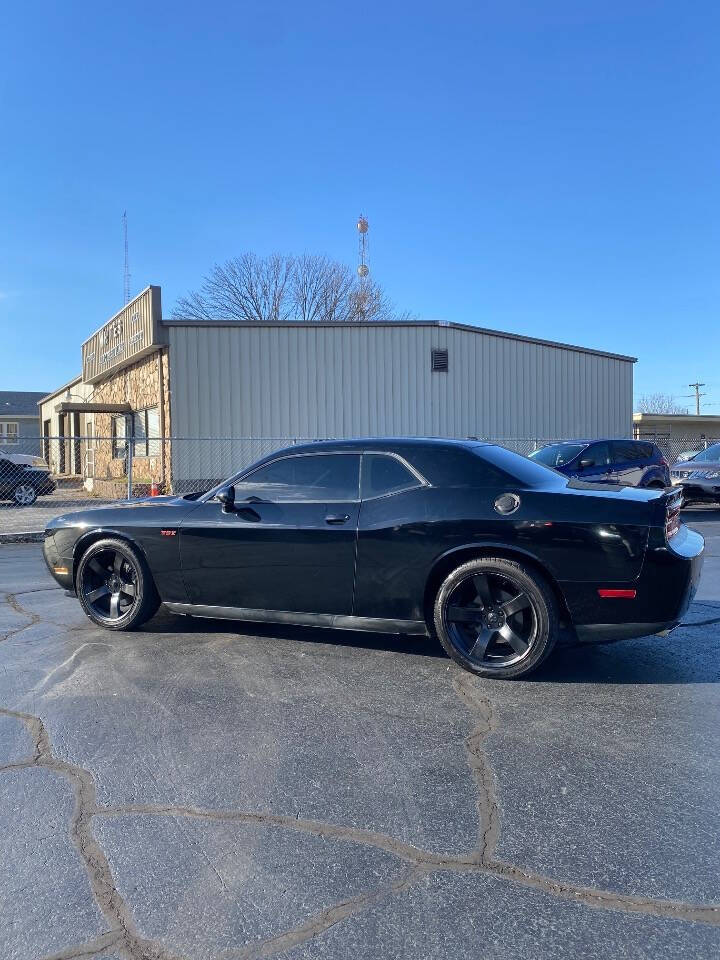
[
  {"x": 516, "y": 603},
  {"x": 24, "y": 494},
  {"x": 655, "y": 485},
  {"x": 114, "y": 585}
]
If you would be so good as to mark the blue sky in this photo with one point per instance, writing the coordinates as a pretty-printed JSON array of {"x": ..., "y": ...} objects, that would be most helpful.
[{"x": 547, "y": 167}]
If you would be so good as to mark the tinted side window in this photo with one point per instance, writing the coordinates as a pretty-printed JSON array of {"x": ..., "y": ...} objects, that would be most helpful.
[
  {"x": 625, "y": 451},
  {"x": 382, "y": 475},
  {"x": 599, "y": 453},
  {"x": 321, "y": 477}
]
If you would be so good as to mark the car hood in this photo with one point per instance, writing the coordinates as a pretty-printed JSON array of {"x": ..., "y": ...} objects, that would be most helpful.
[
  {"x": 105, "y": 515},
  {"x": 691, "y": 466}
]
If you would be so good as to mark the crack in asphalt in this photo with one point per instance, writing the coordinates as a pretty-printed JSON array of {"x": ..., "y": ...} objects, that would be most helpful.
[
  {"x": 12, "y": 601},
  {"x": 124, "y": 936},
  {"x": 91, "y": 948}
]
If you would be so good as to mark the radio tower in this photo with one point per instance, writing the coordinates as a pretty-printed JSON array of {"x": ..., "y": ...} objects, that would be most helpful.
[
  {"x": 126, "y": 271},
  {"x": 363, "y": 269}
]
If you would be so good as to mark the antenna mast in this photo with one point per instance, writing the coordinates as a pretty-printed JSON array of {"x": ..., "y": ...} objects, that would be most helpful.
[
  {"x": 126, "y": 271},
  {"x": 363, "y": 269}
]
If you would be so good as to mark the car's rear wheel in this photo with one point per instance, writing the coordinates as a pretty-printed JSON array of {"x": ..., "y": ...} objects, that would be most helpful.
[
  {"x": 25, "y": 494},
  {"x": 496, "y": 618},
  {"x": 115, "y": 586},
  {"x": 656, "y": 485}
]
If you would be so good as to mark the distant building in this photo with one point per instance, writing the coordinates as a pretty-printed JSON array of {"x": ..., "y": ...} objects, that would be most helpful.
[
  {"x": 677, "y": 427},
  {"x": 19, "y": 424},
  {"x": 145, "y": 378},
  {"x": 71, "y": 457}
]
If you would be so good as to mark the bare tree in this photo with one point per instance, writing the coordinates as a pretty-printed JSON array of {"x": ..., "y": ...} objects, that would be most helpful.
[
  {"x": 309, "y": 288},
  {"x": 245, "y": 288},
  {"x": 321, "y": 290},
  {"x": 659, "y": 403}
]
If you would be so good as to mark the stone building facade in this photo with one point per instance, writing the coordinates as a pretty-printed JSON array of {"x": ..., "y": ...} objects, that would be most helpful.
[{"x": 145, "y": 386}]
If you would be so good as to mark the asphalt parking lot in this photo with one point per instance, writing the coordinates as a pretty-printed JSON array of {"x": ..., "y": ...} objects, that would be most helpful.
[{"x": 212, "y": 790}]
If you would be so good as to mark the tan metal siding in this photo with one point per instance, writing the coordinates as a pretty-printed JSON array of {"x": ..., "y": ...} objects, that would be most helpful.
[{"x": 353, "y": 381}]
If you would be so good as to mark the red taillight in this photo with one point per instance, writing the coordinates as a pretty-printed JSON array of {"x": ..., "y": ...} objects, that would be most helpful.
[
  {"x": 610, "y": 594},
  {"x": 664, "y": 462}
]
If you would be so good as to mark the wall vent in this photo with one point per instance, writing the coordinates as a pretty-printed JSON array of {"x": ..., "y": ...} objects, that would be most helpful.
[{"x": 439, "y": 361}]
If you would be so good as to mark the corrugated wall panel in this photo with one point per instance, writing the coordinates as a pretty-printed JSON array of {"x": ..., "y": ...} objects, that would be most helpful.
[{"x": 354, "y": 381}]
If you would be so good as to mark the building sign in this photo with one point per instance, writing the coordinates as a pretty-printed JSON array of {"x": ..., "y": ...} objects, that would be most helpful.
[{"x": 131, "y": 334}]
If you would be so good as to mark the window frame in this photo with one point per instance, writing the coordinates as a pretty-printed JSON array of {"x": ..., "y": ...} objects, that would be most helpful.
[
  {"x": 115, "y": 419},
  {"x": 420, "y": 480},
  {"x": 146, "y": 439},
  {"x": 243, "y": 478},
  {"x": 8, "y": 439}
]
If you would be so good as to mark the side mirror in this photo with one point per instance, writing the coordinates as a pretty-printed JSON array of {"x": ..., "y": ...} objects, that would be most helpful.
[
  {"x": 226, "y": 496},
  {"x": 586, "y": 462}
]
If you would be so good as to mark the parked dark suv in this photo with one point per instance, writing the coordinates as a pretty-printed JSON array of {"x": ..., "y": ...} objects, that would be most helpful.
[
  {"x": 23, "y": 484},
  {"x": 629, "y": 463}
]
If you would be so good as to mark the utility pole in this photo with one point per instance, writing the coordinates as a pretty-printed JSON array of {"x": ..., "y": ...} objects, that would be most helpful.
[{"x": 696, "y": 388}]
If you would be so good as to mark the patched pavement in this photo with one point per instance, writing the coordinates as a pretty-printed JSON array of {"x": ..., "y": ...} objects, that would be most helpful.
[{"x": 212, "y": 790}]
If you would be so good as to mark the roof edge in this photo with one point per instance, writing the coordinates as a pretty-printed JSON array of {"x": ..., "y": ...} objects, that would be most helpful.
[
  {"x": 401, "y": 323},
  {"x": 70, "y": 383}
]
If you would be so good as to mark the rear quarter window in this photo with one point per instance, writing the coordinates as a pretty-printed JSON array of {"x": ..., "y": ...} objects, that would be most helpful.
[{"x": 382, "y": 475}]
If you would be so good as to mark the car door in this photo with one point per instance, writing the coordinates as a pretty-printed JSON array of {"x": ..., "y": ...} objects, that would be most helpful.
[
  {"x": 627, "y": 463},
  {"x": 288, "y": 544},
  {"x": 594, "y": 462},
  {"x": 389, "y": 539}
]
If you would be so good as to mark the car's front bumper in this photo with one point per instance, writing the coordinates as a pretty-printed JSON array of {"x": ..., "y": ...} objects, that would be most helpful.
[
  {"x": 60, "y": 567},
  {"x": 698, "y": 489}
]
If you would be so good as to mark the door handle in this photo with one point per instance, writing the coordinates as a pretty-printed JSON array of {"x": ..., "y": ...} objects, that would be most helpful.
[{"x": 337, "y": 518}]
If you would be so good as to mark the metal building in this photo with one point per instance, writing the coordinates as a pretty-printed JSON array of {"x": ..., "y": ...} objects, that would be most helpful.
[
  {"x": 413, "y": 378},
  {"x": 146, "y": 380}
]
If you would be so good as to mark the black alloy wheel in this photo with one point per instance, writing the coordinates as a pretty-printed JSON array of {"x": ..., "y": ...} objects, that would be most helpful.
[
  {"x": 496, "y": 618},
  {"x": 114, "y": 586}
]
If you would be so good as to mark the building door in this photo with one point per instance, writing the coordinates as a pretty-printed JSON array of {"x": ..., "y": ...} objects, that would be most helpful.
[
  {"x": 77, "y": 457},
  {"x": 89, "y": 451},
  {"x": 46, "y": 441}
]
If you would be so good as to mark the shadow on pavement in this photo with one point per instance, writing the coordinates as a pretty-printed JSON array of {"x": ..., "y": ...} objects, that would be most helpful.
[{"x": 691, "y": 654}]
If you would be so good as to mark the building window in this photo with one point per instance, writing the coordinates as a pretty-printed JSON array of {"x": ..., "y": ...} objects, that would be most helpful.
[
  {"x": 118, "y": 432},
  {"x": 145, "y": 431},
  {"x": 8, "y": 433},
  {"x": 439, "y": 361}
]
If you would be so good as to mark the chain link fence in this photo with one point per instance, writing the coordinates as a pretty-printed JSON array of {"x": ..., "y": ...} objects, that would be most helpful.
[{"x": 42, "y": 477}]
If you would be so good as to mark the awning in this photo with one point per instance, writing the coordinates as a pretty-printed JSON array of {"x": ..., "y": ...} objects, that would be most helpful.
[{"x": 70, "y": 407}]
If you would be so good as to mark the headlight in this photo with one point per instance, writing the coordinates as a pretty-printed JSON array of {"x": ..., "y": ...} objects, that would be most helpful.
[{"x": 713, "y": 475}]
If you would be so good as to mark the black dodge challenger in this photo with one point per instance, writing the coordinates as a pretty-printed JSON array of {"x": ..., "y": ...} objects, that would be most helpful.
[{"x": 482, "y": 547}]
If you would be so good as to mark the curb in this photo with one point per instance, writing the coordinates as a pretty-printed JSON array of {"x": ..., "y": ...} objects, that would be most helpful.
[{"x": 31, "y": 537}]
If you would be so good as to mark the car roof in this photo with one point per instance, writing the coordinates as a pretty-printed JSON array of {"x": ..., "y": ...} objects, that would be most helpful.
[
  {"x": 383, "y": 444},
  {"x": 602, "y": 440}
]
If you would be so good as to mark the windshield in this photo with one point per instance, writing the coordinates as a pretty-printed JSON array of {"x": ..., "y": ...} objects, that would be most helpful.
[
  {"x": 712, "y": 454},
  {"x": 557, "y": 454}
]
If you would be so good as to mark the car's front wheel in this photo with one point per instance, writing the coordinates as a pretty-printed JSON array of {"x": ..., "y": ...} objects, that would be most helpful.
[
  {"x": 496, "y": 618},
  {"x": 115, "y": 586},
  {"x": 25, "y": 494}
]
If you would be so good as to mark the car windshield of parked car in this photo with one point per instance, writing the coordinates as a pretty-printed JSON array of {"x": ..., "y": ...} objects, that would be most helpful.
[
  {"x": 712, "y": 454},
  {"x": 557, "y": 454},
  {"x": 528, "y": 473}
]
